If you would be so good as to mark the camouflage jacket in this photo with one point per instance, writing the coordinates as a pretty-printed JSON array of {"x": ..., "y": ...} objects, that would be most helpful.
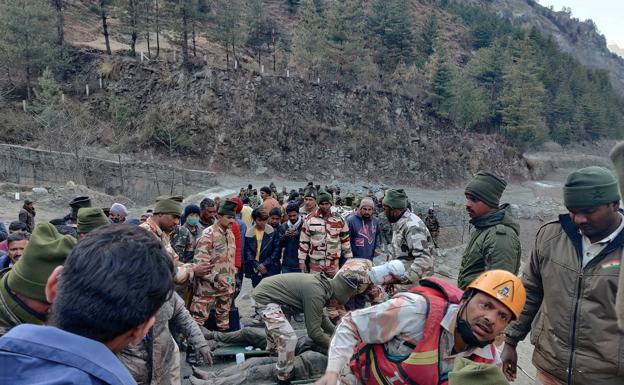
[
  {"x": 183, "y": 241},
  {"x": 324, "y": 238},
  {"x": 432, "y": 223},
  {"x": 359, "y": 269},
  {"x": 216, "y": 247},
  {"x": 150, "y": 361},
  {"x": 413, "y": 245},
  {"x": 184, "y": 272}
]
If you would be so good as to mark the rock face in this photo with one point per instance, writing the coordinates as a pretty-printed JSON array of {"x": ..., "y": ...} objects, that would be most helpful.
[
  {"x": 238, "y": 121},
  {"x": 581, "y": 39}
]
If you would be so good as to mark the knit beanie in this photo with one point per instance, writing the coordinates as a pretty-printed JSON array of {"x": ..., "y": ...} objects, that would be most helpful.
[
  {"x": 324, "y": 196},
  {"x": 395, "y": 198},
  {"x": 367, "y": 202},
  {"x": 91, "y": 218},
  {"x": 292, "y": 206},
  {"x": 239, "y": 204},
  {"x": 486, "y": 187},
  {"x": 310, "y": 192},
  {"x": 191, "y": 209},
  {"x": 227, "y": 208},
  {"x": 46, "y": 250},
  {"x": 617, "y": 157},
  {"x": 168, "y": 206},
  {"x": 590, "y": 187},
  {"x": 467, "y": 372},
  {"x": 118, "y": 208},
  {"x": 76, "y": 203}
]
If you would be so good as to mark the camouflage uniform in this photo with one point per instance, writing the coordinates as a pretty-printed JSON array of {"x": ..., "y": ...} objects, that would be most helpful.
[
  {"x": 183, "y": 243},
  {"x": 324, "y": 240},
  {"x": 216, "y": 247},
  {"x": 184, "y": 271},
  {"x": 412, "y": 244},
  {"x": 396, "y": 323},
  {"x": 357, "y": 269},
  {"x": 385, "y": 229},
  {"x": 280, "y": 336},
  {"x": 432, "y": 225}
]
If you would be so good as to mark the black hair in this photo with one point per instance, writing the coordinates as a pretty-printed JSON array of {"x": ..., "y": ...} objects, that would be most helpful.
[
  {"x": 16, "y": 237},
  {"x": 266, "y": 190},
  {"x": 18, "y": 226},
  {"x": 276, "y": 211},
  {"x": 259, "y": 214},
  {"x": 205, "y": 203},
  {"x": 114, "y": 280}
]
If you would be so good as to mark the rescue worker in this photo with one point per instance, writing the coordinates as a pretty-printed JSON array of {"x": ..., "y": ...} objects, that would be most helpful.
[
  {"x": 411, "y": 242},
  {"x": 324, "y": 239},
  {"x": 414, "y": 337},
  {"x": 216, "y": 249},
  {"x": 309, "y": 202},
  {"x": 431, "y": 221},
  {"x": 572, "y": 280},
  {"x": 89, "y": 219},
  {"x": 300, "y": 292},
  {"x": 494, "y": 243}
]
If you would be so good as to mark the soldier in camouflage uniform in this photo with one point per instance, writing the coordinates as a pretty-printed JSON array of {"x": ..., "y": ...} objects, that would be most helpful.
[
  {"x": 432, "y": 225},
  {"x": 324, "y": 239},
  {"x": 309, "y": 202},
  {"x": 166, "y": 217},
  {"x": 357, "y": 269},
  {"x": 216, "y": 248},
  {"x": 411, "y": 241}
]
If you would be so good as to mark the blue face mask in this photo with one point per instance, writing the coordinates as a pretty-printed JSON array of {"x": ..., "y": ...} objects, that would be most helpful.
[{"x": 193, "y": 221}]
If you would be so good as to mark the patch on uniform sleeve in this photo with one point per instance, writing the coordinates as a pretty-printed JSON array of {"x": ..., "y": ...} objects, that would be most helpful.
[{"x": 613, "y": 264}]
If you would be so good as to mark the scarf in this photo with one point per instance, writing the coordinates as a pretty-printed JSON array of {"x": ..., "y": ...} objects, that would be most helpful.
[{"x": 293, "y": 226}]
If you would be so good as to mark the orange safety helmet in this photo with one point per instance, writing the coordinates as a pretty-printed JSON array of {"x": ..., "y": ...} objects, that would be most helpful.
[{"x": 504, "y": 286}]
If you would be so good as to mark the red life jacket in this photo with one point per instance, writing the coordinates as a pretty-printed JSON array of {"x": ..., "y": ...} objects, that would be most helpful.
[{"x": 372, "y": 366}]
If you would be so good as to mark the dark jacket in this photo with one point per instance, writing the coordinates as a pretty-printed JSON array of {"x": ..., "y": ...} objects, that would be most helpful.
[
  {"x": 570, "y": 309},
  {"x": 28, "y": 217},
  {"x": 494, "y": 244},
  {"x": 364, "y": 236},
  {"x": 269, "y": 257},
  {"x": 289, "y": 245}
]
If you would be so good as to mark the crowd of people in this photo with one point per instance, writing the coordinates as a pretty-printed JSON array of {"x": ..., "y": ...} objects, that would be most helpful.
[{"x": 98, "y": 297}]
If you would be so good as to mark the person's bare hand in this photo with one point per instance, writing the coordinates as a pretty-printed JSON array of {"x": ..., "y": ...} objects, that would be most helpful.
[
  {"x": 302, "y": 267},
  {"x": 262, "y": 269},
  {"x": 329, "y": 378},
  {"x": 510, "y": 362},
  {"x": 205, "y": 354},
  {"x": 202, "y": 269}
]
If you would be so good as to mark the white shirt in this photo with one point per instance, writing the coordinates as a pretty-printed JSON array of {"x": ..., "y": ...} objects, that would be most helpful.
[{"x": 591, "y": 250}]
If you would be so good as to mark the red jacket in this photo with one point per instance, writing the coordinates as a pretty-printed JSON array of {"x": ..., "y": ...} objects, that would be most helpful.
[{"x": 237, "y": 237}]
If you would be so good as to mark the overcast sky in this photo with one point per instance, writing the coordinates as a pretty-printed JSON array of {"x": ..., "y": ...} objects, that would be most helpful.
[{"x": 607, "y": 14}]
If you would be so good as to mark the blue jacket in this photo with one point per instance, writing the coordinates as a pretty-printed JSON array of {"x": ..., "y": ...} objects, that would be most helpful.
[
  {"x": 288, "y": 247},
  {"x": 364, "y": 236},
  {"x": 45, "y": 355},
  {"x": 268, "y": 253}
]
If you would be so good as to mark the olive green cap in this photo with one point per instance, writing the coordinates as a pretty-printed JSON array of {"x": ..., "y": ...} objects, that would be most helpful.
[
  {"x": 91, "y": 218},
  {"x": 168, "y": 206}
]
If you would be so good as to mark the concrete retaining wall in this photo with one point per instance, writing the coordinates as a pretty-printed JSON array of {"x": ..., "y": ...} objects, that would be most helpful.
[{"x": 139, "y": 181}]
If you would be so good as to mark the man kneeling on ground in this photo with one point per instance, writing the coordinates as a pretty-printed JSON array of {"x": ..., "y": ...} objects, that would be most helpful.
[{"x": 415, "y": 336}]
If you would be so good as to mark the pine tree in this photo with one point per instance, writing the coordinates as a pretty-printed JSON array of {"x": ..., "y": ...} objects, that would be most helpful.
[
  {"x": 260, "y": 29},
  {"x": 427, "y": 38},
  {"x": 393, "y": 41},
  {"x": 310, "y": 43},
  {"x": 132, "y": 14},
  {"x": 522, "y": 100},
  {"x": 441, "y": 94},
  {"x": 346, "y": 33},
  {"x": 470, "y": 105},
  {"x": 230, "y": 32},
  {"x": 27, "y": 38}
]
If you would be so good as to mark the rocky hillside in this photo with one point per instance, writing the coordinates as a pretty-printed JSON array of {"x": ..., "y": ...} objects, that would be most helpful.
[
  {"x": 241, "y": 122},
  {"x": 579, "y": 38}
]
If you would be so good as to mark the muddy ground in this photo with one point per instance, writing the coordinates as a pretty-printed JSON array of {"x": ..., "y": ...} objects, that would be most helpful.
[{"x": 534, "y": 202}]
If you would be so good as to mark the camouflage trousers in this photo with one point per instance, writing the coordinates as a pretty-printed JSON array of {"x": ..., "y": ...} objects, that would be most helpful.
[
  {"x": 329, "y": 267},
  {"x": 280, "y": 337},
  {"x": 201, "y": 305}
]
